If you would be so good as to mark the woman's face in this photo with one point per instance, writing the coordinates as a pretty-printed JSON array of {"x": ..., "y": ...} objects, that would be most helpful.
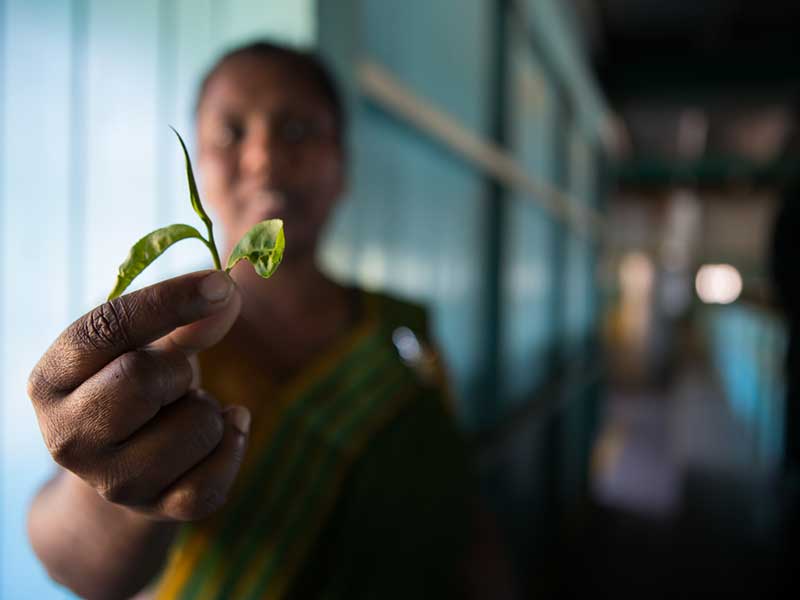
[{"x": 268, "y": 148}]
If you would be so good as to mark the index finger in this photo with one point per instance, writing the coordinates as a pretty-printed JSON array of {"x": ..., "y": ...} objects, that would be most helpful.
[{"x": 125, "y": 323}]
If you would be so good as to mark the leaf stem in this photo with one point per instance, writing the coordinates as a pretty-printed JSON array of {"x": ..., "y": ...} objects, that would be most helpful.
[{"x": 212, "y": 246}]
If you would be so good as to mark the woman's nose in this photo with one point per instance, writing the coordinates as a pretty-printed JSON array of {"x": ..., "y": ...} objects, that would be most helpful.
[{"x": 259, "y": 149}]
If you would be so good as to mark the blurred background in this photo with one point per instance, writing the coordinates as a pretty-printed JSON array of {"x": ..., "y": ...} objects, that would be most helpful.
[{"x": 584, "y": 194}]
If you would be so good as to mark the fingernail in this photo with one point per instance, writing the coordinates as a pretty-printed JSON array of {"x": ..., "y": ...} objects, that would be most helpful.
[
  {"x": 216, "y": 286},
  {"x": 239, "y": 417}
]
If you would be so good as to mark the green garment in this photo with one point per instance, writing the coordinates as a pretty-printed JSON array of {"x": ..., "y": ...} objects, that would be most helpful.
[{"x": 356, "y": 483}]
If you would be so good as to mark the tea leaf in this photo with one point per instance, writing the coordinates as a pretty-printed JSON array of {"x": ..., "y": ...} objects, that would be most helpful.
[
  {"x": 194, "y": 196},
  {"x": 147, "y": 249},
  {"x": 263, "y": 246}
]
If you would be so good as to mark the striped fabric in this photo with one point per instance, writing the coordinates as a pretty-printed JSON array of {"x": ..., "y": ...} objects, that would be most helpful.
[{"x": 305, "y": 437}]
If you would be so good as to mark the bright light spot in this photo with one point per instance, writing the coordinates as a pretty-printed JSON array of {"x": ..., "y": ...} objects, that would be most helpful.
[{"x": 718, "y": 284}]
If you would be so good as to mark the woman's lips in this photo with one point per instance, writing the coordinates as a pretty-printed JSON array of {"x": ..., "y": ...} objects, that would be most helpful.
[{"x": 267, "y": 204}]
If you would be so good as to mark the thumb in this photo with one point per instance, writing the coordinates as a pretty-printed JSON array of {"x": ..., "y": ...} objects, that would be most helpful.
[{"x": 202, "y": 334}]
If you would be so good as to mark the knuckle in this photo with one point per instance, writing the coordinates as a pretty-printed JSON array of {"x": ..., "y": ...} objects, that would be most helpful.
[
  {"x": 106, "y": 325},
  {"x": 43, "y": 384},
  {"x": 64, "y": 447},
  {"x": 136, "y": 363},
  {"x": 38, "y": 385},
  {"x": 136, "y": 369},
  {"x": 152, "y": 376},
  {"x": 194, "y": 502},
  {"x": 119, "y": 490},
  {"x": 114, "y": 492}
]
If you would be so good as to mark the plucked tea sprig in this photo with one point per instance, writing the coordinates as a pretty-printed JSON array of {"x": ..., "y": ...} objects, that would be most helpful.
[{"x": 263, "y": 245}]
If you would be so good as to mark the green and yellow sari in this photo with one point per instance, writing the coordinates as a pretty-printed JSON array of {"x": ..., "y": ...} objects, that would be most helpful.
[{"x": 355, "y": 484}]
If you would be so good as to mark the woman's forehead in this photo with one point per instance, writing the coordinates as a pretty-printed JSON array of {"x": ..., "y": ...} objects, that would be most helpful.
[{"x": 253, "y": 80}]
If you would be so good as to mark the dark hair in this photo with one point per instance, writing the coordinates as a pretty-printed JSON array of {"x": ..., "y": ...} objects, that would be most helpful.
[{"x": 306, "y": 64}]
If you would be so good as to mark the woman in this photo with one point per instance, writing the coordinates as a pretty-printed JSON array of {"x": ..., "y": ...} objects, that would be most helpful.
[{"x": 354, "y": 482}]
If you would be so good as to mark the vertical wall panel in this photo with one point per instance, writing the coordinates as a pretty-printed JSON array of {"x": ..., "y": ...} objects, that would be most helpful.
[
  {"x": 166, "y": 108},
  {"x": 192, "y": 45},
  {"x": 35, "y": 257},
  {"x": 122, "y": 111},
  {"x": 3, "y": 270},
  {"x": 413, "y": 223},
  {"x": 417, "y": 41},
  {"x": 578, "y": 322},
  {"x": 77, "y": 151},
  {"x": 529, "y": 332},
  {"x": 588, "y": 194},
  {"x": 579, "y": 245},
  {"x": 285, "y": 20}
]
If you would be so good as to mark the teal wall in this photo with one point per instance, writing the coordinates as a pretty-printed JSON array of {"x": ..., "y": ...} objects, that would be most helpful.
[
  {"x": 529, "y": 333},
  {"x": 414, "y": 221},
  {"x": 418, "y": 220}
]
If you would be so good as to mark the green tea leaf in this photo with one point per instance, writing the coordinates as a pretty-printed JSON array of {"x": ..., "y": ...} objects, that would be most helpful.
[
  {"x": 147, "y": 249},
  {"x": 263, "y": 246},
  {"x": 193, "y": 194}
]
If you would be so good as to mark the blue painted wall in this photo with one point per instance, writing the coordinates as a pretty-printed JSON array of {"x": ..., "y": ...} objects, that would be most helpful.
[
  {"x": 416, "y": 219},
  {"x": 529, "y": 333}
]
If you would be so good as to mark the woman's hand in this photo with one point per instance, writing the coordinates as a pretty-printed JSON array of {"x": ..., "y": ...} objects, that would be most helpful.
[{"x": 118, "y": 405}]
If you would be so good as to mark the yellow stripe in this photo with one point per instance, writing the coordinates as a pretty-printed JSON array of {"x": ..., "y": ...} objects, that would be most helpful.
[
  {"x": 300, "y": 550},
  {"x": 179, "y": 566},
  {"x": 292, "y": 449},
  {"x": 184, "y": 559},
  {"x": 347, "y": 454}
]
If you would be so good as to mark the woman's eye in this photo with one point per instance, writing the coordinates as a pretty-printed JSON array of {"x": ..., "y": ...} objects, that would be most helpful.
[
  {"x": 295, "y": 131},
  {"x": 227, "y": 135}
]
